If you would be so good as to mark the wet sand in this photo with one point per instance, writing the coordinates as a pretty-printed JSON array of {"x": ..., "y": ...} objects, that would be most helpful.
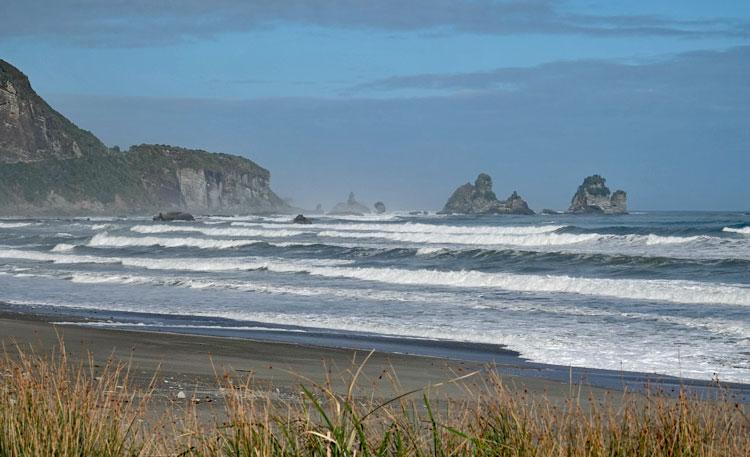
[{"x": 192, "y": 363}]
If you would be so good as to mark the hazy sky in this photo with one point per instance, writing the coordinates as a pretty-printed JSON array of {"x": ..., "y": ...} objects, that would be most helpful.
[{"x": 402, "y": 101}]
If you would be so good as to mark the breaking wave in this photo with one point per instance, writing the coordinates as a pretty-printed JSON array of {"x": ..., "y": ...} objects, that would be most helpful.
[
  {"x": 37, "y": 256},
  {"x": 11, "y": 225},
  {"x": 106, "y": 240},
  {"x": 741, "y": 230},
  {"x": 229, "y": 232},
  {"x": 63, "y": 247},
  {"x": 677, "y": 291},
  {"x": 633, "y": 289},
  {"x": 541, "y": 239},
  {"x": 425, "y": 228}
]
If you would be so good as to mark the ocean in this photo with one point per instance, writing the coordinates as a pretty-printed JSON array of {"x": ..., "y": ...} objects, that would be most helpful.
[{"x": 659, "y": 292}]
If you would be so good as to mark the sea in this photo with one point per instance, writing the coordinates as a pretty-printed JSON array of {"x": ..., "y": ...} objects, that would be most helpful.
[{"x": 662, "y": 293}]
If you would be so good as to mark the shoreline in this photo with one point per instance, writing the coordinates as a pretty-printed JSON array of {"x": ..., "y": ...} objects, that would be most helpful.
[
  {"x": 194, "y": 356},
  {"x": 194, "y": 363}
]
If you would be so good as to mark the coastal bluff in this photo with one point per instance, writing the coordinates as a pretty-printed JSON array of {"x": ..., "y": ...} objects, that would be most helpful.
[
  {"x": 49, "y": 166},
  {"x": 479, "y": 198},
  {"x": 594, "y": 197}
]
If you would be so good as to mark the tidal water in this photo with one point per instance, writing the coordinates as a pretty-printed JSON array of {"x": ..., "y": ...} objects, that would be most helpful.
[{"x": 664, "y": 293}]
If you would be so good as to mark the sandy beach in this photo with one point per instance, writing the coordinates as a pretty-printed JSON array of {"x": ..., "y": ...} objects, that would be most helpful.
[{"x": 192, "y": 363}]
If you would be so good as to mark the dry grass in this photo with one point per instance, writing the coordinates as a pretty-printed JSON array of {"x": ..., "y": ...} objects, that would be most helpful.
[
  {"x": 52, "y": 407},
  {"x": 49, "y": 406}
]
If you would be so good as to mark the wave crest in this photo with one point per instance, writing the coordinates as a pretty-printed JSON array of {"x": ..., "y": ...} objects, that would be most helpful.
[{"x": 741, "y": 230}]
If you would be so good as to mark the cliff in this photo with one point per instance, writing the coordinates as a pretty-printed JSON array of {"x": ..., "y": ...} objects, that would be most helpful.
[
  {"x": 594, "y": 197},
  {"x": 200, "y": 181},
  {"x": 50, "y": 166},
  {"x": 479, "y": 198}
]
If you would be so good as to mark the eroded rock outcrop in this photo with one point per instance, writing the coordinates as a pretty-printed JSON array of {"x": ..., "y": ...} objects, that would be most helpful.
[
  {"x": 301, "y": 219},
  {"x": 174, "y": 216},
  {"x": 379, "y": 207},
  {"x": 594, "y": 197},
  {"x": 50, "y": 166},
  {"x": 351, "y": 207},
  {"x": 479, "y": 198}
]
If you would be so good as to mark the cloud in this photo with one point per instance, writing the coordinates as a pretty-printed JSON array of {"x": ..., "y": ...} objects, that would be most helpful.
[
  {"x": 147, "y": 22},
  {"x": 674, "y": 132},
  {"x": 696, "y": 70}
]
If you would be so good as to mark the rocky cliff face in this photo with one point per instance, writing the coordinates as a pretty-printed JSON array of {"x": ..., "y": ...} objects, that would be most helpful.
[
  {"x": 480, "y": 199},
  {"x": 50, "y": 166},
  {"x": 30, "y": 130},
  {"x": 594, "y": 197},
  {"x": 199, "y": 181}
]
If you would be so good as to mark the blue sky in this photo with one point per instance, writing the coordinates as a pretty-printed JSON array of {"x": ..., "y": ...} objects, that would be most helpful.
[{"x": 404, "y": 101}]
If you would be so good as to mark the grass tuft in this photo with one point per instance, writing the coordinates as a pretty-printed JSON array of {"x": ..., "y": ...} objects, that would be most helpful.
[{"x": 50, "y": 406}]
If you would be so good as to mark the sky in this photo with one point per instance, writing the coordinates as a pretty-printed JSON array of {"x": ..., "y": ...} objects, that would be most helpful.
[{"x": 405, "y": 101}]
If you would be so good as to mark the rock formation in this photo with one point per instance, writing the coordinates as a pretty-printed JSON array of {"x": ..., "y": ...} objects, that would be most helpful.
[
  {"x": 594, "y": 197},
  {"x": 50, "y": 166},
  {"x": 351, "y": 207},
  {"x": 174, "y": 216},
  {"x": 478, "y": 198},
  {"x": 301, "y": 219},
  {"x": 379, "y": 207}
]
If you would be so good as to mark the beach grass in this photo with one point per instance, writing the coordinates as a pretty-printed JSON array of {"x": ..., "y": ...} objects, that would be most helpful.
[{"x": 51, "y": 406}]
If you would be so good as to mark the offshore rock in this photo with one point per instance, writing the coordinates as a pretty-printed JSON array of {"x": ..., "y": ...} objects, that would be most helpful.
[
  {"x": 594, "y": 197},
  {"x": 379, "y": 207},
  {"x": 301, "y": 219},
  {"x": 174, "y": 216},
  {"x": 351, "y": 207},
  {"x": 480, "y": 199}
]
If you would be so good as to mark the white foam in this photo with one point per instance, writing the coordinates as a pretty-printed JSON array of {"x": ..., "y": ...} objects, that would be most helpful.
[
  {"x": 741, "y": 231},
  {"x": 263, "y": 287},
  {"x": 534, "y": 239},
  {"x": 231, "y": 264},
  {"x": 428, "y": 251},
  {"x": 676, "y": 291},
  {"x": 652, "y": 240},
  {"x": 636, "y": 289},
  {"x": 143, "y": 325},
  {"x": 104, "y": 239},
  {"x": 54, "y": 258},
  {"x": 211, "y": 231},
  {"x": 63, "y": 247},
  {"x": 11, "y": 225},
  {"x": 412, "y": 227}
]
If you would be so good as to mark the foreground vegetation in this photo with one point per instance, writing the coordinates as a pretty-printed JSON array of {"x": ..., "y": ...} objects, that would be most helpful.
[{"x": 50, "y": 406}]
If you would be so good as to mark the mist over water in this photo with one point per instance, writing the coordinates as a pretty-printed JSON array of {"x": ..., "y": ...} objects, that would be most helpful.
[{"x": 661, "y": 293}]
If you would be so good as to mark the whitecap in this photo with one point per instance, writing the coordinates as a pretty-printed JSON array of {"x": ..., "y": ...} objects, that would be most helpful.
[{"x": 741, "y": 231}]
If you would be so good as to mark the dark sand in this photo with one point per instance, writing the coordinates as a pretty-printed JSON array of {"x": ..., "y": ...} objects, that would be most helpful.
[{"x": 191, "y": 363}]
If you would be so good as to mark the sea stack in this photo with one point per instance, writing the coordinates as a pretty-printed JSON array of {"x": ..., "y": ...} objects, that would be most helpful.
[
  {"x": 594, "y": 197},
  {"x": 478, "y": 198},
  {"x": 351, "y": 207}
]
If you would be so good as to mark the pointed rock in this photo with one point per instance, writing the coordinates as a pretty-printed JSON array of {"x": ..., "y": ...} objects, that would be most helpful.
[
  {"x": 479, "y": 198},
  {"x": 594, "y": 197}
]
